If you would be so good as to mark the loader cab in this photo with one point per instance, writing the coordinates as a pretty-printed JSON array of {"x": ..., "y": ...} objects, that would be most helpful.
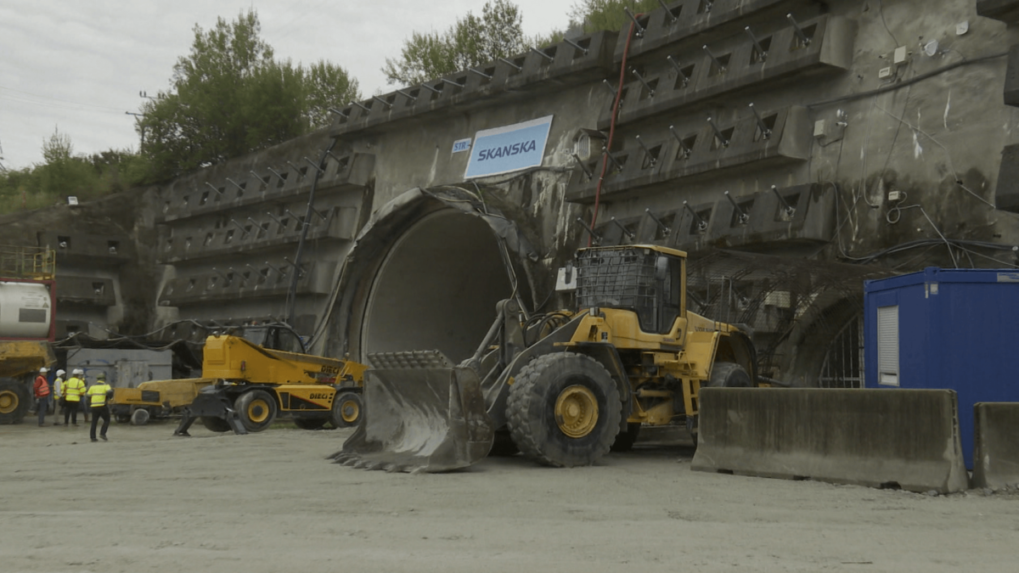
[{"x": 649, "y": 280}]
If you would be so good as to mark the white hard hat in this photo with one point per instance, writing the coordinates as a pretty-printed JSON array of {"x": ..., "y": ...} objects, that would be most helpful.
[
  {"x": 78, "y": 371},
  {"x": 61, "y": 372},
  {"x": 43, "y": 370}
]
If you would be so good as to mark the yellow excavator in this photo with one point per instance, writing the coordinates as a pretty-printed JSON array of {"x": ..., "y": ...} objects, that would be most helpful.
[
  {"x": 248, "y": 377},
  {"x": 562, "y": 388}
]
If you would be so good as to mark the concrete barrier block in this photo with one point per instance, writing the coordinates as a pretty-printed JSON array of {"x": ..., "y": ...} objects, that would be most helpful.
[
  {"x": 877, "y": 438},
  {"x": 996, "y": 441}
]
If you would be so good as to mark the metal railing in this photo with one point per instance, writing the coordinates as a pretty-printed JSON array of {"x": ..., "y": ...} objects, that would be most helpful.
[{"x": 36, "y": 263}]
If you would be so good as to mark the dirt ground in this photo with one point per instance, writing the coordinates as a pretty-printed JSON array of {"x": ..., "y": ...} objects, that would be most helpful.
[{"x": 270, "y": 502}]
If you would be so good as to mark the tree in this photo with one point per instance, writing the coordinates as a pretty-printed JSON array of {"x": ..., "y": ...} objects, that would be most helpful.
[
  {"x": 230, "y": 97},
  {"x": 597, "y": 15},
  {"x": 63, "y": 173},
  {"x": 470, "y": 42}
]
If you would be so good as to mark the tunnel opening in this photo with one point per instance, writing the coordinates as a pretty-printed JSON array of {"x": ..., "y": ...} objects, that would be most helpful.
[{"x": 436, "y": 288}]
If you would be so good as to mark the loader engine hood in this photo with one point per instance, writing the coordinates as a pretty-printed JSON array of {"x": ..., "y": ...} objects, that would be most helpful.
[{"x": 426, "y": 272}]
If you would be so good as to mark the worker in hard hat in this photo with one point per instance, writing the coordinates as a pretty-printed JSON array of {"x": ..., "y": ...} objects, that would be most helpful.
[
  {"x": 41, "y": 389},
  {"x": 73, "y": 390},
  {"x": 58, "y": 397},
  {"x": 98, "y": 394}
]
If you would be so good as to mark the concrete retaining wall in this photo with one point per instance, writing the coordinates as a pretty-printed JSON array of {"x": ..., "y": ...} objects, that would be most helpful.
[
  {"x": 906, "y": 438},
  {"x": 996, "y": 455}
]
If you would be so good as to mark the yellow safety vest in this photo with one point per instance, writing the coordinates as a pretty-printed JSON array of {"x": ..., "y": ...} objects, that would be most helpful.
[
  {"x": 73, "y": 389},
  {"x": 97, "y": 394}
]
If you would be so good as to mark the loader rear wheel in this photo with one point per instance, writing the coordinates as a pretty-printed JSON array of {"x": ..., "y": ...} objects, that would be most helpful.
[
  {"x": 214, "y": 424},
  {"x": 564, "y": 410},
  {"x": 347, "y": 408},
  {"x": 310, "y": 423},
  {"x": 14, "y": 400},
  {"x": 729, "y": 375},
  {"x": 257, "y": 410}
]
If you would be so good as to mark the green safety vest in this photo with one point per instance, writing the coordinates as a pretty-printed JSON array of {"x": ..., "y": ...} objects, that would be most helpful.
[
  {"x": 73, "y": 389},
  {"x": 97, "y": 394}
]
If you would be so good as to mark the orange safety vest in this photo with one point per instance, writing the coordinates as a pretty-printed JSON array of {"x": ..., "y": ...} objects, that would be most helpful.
[
  {"x": 97, "y": 394},
  {"x": 73, "y": 389},
  {"x": 42, "y": 387}
]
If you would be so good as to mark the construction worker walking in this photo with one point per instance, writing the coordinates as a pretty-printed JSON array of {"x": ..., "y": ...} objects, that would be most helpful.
[
  {"x": 41, "y": 389},
  {"x": 98, "y": 393},
  {"x": 73, "y": 390},
  {"x": 58, "y": 397}
]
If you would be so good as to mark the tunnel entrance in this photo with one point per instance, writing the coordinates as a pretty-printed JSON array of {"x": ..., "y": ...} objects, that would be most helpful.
[{"x": 436, "y": 287}]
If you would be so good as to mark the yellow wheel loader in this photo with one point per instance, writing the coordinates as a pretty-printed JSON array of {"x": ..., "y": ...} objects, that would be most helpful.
[
  {"x": 245, "y": 385},
  {"x": 562, "y": 388}
]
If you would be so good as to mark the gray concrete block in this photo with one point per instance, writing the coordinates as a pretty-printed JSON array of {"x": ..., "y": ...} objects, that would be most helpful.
[
  {"x": 830, "y": 51},
  {"x": 701, "y": 153},
  {"x": 877, "y": 438},
  {"x": 695, "y": 20},
  {"x": 996, "y": 441}
]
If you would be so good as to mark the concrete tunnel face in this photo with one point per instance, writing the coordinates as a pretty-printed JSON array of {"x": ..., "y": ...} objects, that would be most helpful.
[{"x": 436, "y": 287}]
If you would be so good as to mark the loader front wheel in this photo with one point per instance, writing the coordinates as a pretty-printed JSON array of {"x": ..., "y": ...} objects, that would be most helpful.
[
  {"x": 257, "y": 410},
  {"x": 14, "y": 400},
  {"x": 214, "y": 424},
  {"x": 564, "y": 410},
  {"x": 346, "y": 410}
]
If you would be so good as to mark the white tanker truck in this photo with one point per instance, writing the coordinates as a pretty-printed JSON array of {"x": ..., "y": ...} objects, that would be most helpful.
[{"x": 27, "y": 324}]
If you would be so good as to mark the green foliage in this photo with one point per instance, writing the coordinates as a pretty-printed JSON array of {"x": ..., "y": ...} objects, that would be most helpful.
[
  {"x": 230, "y": 97},
  {"x": 470, "y": 42},
  {"x": 63, "y": 173},
  {"x": 597, "y": 15}
]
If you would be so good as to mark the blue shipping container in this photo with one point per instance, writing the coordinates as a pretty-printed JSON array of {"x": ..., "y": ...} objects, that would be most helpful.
[{"x": 955, "y": 329}]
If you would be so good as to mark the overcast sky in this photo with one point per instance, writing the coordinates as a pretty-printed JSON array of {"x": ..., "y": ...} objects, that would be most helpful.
[{"x": 79, "y": 66}]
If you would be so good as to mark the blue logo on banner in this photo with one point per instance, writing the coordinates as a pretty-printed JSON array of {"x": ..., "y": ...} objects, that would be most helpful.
[{"x": 509, "y": 148}]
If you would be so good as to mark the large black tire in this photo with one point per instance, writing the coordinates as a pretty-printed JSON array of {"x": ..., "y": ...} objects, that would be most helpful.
[
  {"x": 625, "y": 440},
  {"x": 564, "y": 410},
  {"x": 15, "y": 400},
  {"x": 729, "y": 375},
  {"x": 140, "y": 417},
  {"x": 214, "y": 424},
  {"x": 347, "y": 410},
  {"x": 310, "y": 423},
  {"x": 257, "y": 410}
]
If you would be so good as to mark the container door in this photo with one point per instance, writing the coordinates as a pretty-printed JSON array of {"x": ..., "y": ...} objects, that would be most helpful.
[{"x": 888, "y": 345}]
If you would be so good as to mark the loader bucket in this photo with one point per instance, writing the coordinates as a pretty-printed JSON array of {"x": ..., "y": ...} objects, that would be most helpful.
[{"x": 421, "y": 414}]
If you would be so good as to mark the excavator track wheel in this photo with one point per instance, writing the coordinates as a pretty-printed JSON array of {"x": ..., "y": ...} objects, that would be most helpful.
[
  {"x": 14, "y": 401},
  {"x": 347, "y": 407},
  {"x": 257, "y": 410},
  {"x": 564, "y": 410}
]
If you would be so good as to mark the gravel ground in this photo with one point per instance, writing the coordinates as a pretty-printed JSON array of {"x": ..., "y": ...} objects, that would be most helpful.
[{"x": 270, "y": 502}]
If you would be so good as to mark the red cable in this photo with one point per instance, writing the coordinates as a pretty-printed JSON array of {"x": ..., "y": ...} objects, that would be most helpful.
[{"x": 612, "y": 131}]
